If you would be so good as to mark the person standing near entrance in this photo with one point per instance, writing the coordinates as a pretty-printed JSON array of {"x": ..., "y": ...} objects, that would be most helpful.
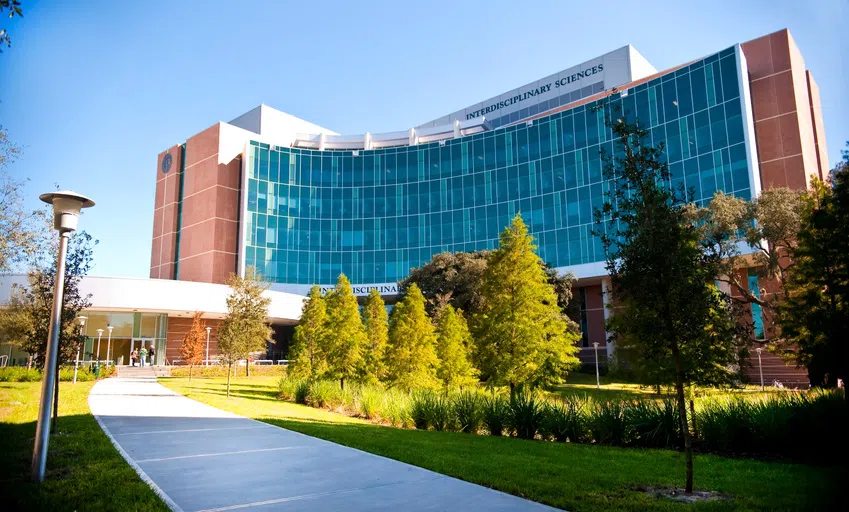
[
  {"x": 152, "y": 353},
  {"x": 142, "y": 356},
  {"x": 134, "y": 355}
]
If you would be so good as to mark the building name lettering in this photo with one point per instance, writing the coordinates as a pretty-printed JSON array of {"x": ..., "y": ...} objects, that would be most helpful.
[
  {"x": 383, "y": 289},
  {"x": 566, "y": 80}
]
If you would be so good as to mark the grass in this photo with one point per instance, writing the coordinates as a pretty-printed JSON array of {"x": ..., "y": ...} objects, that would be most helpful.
[
  {"x": 84, "y": 471},
  {"x": 570, "y": 476}
]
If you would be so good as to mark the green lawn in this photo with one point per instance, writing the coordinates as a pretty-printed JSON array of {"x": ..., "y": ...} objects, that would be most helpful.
[
  {"x": 570, "y": 476},
  {"x": 84, "y": 471}
]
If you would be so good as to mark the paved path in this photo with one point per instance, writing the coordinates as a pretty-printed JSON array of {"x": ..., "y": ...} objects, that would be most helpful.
[{"x": 199, "y": 458}]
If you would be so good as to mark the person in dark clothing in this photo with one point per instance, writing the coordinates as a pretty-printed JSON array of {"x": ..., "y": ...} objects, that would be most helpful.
[{"x": 151, "y": 352}]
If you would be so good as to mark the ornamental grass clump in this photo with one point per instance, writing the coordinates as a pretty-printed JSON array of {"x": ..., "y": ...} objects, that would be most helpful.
[
  {"x": 396, "y": 408},
  {"x": 302, "y": 391},
  {"x": 496, "y": 413},
  {"x": 468, "y": 409},
  {"x": 564, "y": 420},
  {"x": 287, "y": 388},
  {"x": 653, "y": 424},
  {"x": 607, "y": 423},
  {"x": 370, "y": 402},
  {"x": 442, "y": 415},
  {"x": 422, "y": 404},
  {"x": 324, "y": 394},
  {"x": 525, "y": 413}
]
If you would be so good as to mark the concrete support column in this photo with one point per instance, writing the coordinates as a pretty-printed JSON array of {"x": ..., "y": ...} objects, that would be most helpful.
[
  {"x": 456, "y": 128},
  {"x": 413, "y": 138},
  {"x": 608, "y": 312},
  {"x": 321, "y": 141},
  {"x": 367, "y": 141}
]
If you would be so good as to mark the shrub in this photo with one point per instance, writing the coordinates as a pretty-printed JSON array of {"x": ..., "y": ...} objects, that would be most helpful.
[
  {"x": 525, "y": 413},
  {"x": 19, "y": 374},
  {"x": 607, "y": 423},
  {"x": 287, "y": 388},
  {"x": 220, "y": 370},
  {"x": 324, "y": 393},
  {"x": 654, "y": 424},
  {"x": 422, "y": 404},
  {"x": 496, "y": 411},
  {"x": 442, "y": 416},
  {"x": 564, "y": 420},
  {"x": 396, "y": 408},
  {"x": 724, "y": 426},
  {"x": 370, "y": 402},
  {"x": 302, "y": 391},
  {"x": 468, "y": 407}
]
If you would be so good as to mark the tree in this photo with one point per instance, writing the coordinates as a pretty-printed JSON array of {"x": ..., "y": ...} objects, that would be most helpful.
[
  {"x": 14, "y": 7},
  {"x": 453, "y": 346},
  {"x": 191, "y": 348},
  {"x": 307, "y": 359},
  {"x": 22, "y": 232},
  {"x": 768, "y": 225},
  {"x": 244, "y": 330},
  {"x": 36, "y": 301},
  {"x": 522, "y": 334},
  {"x": 456, "y": 279},
  {"x": 345, "y": 332},
  {"x": 376, "y": 323},
  {"x": 814, "y": 319},
  {"x": 411, "y": 354},
  {"x": 667, "y": 308},
  {"x": 15, "y": 320}
]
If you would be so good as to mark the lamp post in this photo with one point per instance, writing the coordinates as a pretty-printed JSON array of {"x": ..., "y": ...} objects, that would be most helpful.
[
  {"x": 97, "y": 352},
  {"x": 82, "y": 320},
  {"x": 108, "y": 343},
  {"x": 597, "y": 379},
  {"x": 66, "y": 214},
  {"x": 208, "y": 330},
  {"x": 760, "y": 366}
]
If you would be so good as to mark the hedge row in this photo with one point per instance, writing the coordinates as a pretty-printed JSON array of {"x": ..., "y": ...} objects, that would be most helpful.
[
  {"x": 798, "y": 425},
  {"x": 66, "y": 373}
]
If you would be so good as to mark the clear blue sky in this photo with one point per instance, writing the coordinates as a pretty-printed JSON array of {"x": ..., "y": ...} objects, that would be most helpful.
[{"x": 95, "y": 90}]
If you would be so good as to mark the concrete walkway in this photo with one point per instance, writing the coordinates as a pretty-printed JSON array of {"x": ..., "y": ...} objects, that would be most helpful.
[{"x": 199, "y": 458}]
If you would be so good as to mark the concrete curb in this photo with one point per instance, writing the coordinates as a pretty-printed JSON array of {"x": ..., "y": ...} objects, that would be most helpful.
[{"x": 146, "y": 479}]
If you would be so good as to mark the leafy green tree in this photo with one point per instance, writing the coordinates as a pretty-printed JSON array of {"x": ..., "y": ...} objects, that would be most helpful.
[
  {"x": 306, "y": 355},
  {"x": 14, "y": 7},
  {"x": 668, "y": 310},
  {"x": 457, "y": 278},
  {"x": 453, "y": 346},
  {"x": 345, "y": 332},
  {"x": 768, "y": 225},
  {"x": 376, "y": 325},
  {"x": 522, "y": 335},
  {"x": 191, "y": 348},
  {"x": 814, "y": 320},
  {"x": 411, "y": 354},
  {"x": 36, "y": 302},
  {"x": 244, "y": 330}
]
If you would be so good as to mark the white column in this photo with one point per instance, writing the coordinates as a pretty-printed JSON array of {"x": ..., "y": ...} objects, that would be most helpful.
[
  {"x": 456, "y": 128},
  {"x": 413, "y": 140},
  {"x": 321, "y": 139},
  {"x": 605, "y": 300},
  {"x": 367, "y": 140}
]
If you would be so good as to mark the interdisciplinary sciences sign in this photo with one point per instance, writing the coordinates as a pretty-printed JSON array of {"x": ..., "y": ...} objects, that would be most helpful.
[
  {"x": 542, "y": 89},
  {"x": 383, "y": 289}
]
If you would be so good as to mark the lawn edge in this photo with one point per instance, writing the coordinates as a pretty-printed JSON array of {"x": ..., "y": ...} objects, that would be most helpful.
[{"x": 146, "y": 479}]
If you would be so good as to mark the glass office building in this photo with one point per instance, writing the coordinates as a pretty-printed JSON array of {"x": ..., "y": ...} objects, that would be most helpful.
[{"x": 374, "y": 214}]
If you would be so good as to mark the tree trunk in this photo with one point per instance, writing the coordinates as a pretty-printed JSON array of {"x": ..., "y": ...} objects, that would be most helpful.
[
  {"x": 228, "y": 381},
  {"x": 512, "y": 388},
  {"x": 191, "y": 367},
  {"x": 682, "y": 415},
  {"x": 693, "y": 416},
  {"x": 247, "y": 367},
  {"x": 342, "y": 383}
]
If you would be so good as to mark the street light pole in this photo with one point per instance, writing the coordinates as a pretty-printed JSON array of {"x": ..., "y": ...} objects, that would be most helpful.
[
  {"x": 597, "y": 379},
  {"x": 97, "y": 352},
  {"x": 66, "y": 213},
  {"x": 208, "y": 330},
  {"x": 108, "y": 343},
  {"x": 760, "y": 366},
  {"x": 82, "y": 320}
]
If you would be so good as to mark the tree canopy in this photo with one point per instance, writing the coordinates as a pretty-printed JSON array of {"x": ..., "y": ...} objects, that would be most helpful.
[
  {"x": 453, "y": 349},
  {"x": 345, "y": 332},
  {"x": 375, "y": 321},
  {"x": 306, "y": 357},
  {"x": 522, "y": 335},
  {"x": 192, "y": 347},
  {"x": 411, "y": 352}
]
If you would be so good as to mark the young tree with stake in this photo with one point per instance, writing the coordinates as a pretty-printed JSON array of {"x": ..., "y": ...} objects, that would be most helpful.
[{"x": 191, "y": 349}]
